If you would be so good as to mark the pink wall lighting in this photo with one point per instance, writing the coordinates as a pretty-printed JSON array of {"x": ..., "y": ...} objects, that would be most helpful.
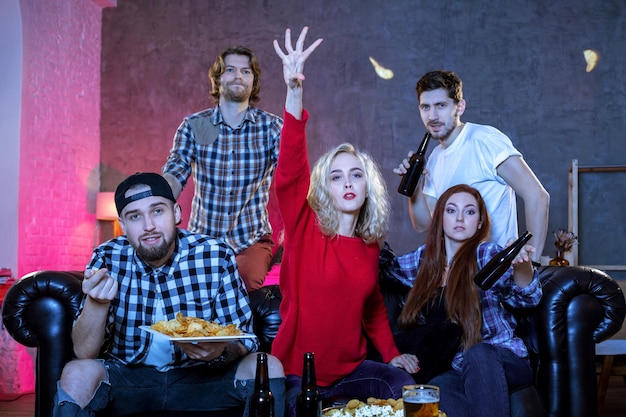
[{"x": 60, "y": 134}]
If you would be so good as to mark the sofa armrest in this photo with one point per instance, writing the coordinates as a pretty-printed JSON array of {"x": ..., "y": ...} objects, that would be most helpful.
[
  {"x": 562, "y": 285},
  {"x": 24, "y": 310},
  {"x": 570, "y": 282},
  {"x": 580, "y": 307},
  {"x": 38, "y": 311}
]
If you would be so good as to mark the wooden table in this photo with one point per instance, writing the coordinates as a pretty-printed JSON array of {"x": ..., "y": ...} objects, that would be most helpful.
[{"x": 609, "y": 349}]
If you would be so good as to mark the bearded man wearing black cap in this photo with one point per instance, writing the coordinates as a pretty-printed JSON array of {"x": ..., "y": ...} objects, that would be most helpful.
[{"x": 148, "y": 275}]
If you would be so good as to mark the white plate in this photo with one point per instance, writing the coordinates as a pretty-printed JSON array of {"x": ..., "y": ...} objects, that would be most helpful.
[{"x": 199, "y": 338}]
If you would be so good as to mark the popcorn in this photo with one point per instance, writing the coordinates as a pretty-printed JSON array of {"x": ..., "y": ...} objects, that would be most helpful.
[
  {"x": 373, "y": 408},
  {"x": 369, "y": 410}
]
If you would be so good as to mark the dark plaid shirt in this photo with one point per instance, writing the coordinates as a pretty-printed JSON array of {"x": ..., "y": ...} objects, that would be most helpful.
[
  {"x": 232, "y": 174},
  {"x": 199, "y": 280}
]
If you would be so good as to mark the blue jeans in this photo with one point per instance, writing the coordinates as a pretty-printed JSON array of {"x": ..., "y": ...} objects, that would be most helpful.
[
  {"x": 482, "y": 387},
  {"x": 369, "y": 379},
  {"x": 143, "y": 389}
]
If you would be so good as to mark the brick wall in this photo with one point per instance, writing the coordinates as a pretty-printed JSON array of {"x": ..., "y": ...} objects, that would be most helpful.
[
  {"x": 17, "y": 369},
  {"x": 60, "y": 133}
]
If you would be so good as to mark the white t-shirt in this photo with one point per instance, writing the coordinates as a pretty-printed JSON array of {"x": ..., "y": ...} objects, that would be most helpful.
[
  {"x": 161, "y": 349},
  {"x": 472, "y": 159}
]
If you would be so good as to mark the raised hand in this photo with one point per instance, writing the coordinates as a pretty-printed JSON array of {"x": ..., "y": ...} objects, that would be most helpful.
[{"x": 294, "y": 59}]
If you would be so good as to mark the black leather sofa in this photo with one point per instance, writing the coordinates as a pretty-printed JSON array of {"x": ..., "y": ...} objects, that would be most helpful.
[{"x": 580, "y": 307}]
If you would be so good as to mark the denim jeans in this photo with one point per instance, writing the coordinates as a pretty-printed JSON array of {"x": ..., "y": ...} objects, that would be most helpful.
[
  {"x": 482, "y": 387},
  {"x": 143, "y": 389},
  {"x": 369, "y": 379}
]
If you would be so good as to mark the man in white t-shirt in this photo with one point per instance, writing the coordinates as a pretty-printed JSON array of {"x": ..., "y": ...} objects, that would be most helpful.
[{"x": 477, "y": 155}]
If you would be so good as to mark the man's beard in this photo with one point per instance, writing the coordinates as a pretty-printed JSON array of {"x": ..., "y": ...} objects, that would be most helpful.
[
  {"x": 444, "y": 133},
  {"x": 238, "y": 96},
  {"x": 447, "y": 130},
  {"x": 154, "y": 253}
]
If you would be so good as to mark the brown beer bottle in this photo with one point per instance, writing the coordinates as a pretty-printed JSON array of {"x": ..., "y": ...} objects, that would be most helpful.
[
  {"x": 489, "y": 274},
  {"x": 408, "y": 183},
  {"x": 262, "y": 400},
  {"x": 309, "y": 400}
]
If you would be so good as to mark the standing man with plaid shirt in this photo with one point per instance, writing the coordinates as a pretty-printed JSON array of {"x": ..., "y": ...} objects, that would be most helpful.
[
  {"x": 231, "y": 150},
  {"x": 152, "y": 273}
]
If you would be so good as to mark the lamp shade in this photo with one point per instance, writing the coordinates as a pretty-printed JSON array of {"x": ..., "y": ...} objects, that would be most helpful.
[{"x": 105, "y": 206}]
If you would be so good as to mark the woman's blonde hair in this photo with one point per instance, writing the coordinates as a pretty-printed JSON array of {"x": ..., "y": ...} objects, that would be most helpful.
[{"x": 373, "y": 217}]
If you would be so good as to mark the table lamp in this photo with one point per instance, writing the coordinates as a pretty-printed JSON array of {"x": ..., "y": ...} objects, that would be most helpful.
[{"x": 106, "y": 211}]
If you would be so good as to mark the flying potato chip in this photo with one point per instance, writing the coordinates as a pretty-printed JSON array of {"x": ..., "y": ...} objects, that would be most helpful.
[
  {"x": 591, "y": 57},
  {"x": 382, "y": 72}
]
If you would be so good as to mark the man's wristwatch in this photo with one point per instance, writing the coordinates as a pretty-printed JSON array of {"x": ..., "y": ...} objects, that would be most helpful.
[
  {"x": 219, "y": 361},
  {"x": 230, "y": 354}
]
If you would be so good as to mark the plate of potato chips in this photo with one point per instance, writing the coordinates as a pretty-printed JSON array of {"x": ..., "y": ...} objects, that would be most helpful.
[{"x": 194, "y": 330}]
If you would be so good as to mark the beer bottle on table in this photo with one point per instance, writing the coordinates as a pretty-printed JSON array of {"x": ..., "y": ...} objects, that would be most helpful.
[
  {"x": 489, "y": 274},
  {"x": 408, "y": 183},
  {"x": 262, "y": 400},
  {"x": 309, "y": 400}
]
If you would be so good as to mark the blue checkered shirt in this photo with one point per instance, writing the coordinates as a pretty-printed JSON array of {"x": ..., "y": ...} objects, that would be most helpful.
[
  {"x": 498, "y": 323},
  {"x": 199, "y": 280},
  {"x": 232, "y": 175}
]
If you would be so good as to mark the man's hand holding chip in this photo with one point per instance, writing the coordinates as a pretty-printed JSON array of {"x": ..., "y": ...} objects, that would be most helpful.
[{"x": 99, "y": 286}]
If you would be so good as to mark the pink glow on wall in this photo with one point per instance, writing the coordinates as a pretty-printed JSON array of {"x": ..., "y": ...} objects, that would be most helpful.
[
  {"x": 17, "y": 370},
  {"x": 60, "y": 134}
]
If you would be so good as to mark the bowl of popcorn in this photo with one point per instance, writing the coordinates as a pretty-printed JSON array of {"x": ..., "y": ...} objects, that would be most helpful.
[{"x": 373, "y": 407}]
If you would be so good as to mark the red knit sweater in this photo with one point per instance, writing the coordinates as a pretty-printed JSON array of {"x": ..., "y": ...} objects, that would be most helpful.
[{"x": 329, "y": 285}]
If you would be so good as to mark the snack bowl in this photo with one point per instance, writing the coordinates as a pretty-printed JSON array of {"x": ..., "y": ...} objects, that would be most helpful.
[{"x": 372, "y": 408}]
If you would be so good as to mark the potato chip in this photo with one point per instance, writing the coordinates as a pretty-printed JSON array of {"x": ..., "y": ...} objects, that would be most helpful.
[
  {"x": 183, "y": 326},
  {"x": 382, "y": 72}
]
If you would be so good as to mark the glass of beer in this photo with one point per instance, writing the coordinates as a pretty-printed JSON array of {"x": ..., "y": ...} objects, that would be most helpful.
[{"x": 420, "y": 400}]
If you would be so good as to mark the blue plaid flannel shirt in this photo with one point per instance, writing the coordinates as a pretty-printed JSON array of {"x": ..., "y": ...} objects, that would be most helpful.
[{"x": 498, "y": 323}]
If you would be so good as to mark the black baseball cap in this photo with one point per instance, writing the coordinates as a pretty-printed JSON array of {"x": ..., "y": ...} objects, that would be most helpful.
[{"x": 159, "y": 187}]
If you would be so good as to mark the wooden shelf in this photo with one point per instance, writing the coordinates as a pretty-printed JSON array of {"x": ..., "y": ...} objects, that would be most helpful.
[{"x": 573, "y": 206}]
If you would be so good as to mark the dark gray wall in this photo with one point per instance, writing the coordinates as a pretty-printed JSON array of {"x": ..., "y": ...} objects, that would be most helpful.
[{"x": 521, "y": 62}]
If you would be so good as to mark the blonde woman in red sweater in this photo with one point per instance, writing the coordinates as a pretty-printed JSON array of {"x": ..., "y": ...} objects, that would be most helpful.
[{"x": 334, "y": 218}]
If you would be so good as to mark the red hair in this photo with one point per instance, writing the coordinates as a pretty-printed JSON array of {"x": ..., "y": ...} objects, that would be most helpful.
[{"x": 461, "y": 296}]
